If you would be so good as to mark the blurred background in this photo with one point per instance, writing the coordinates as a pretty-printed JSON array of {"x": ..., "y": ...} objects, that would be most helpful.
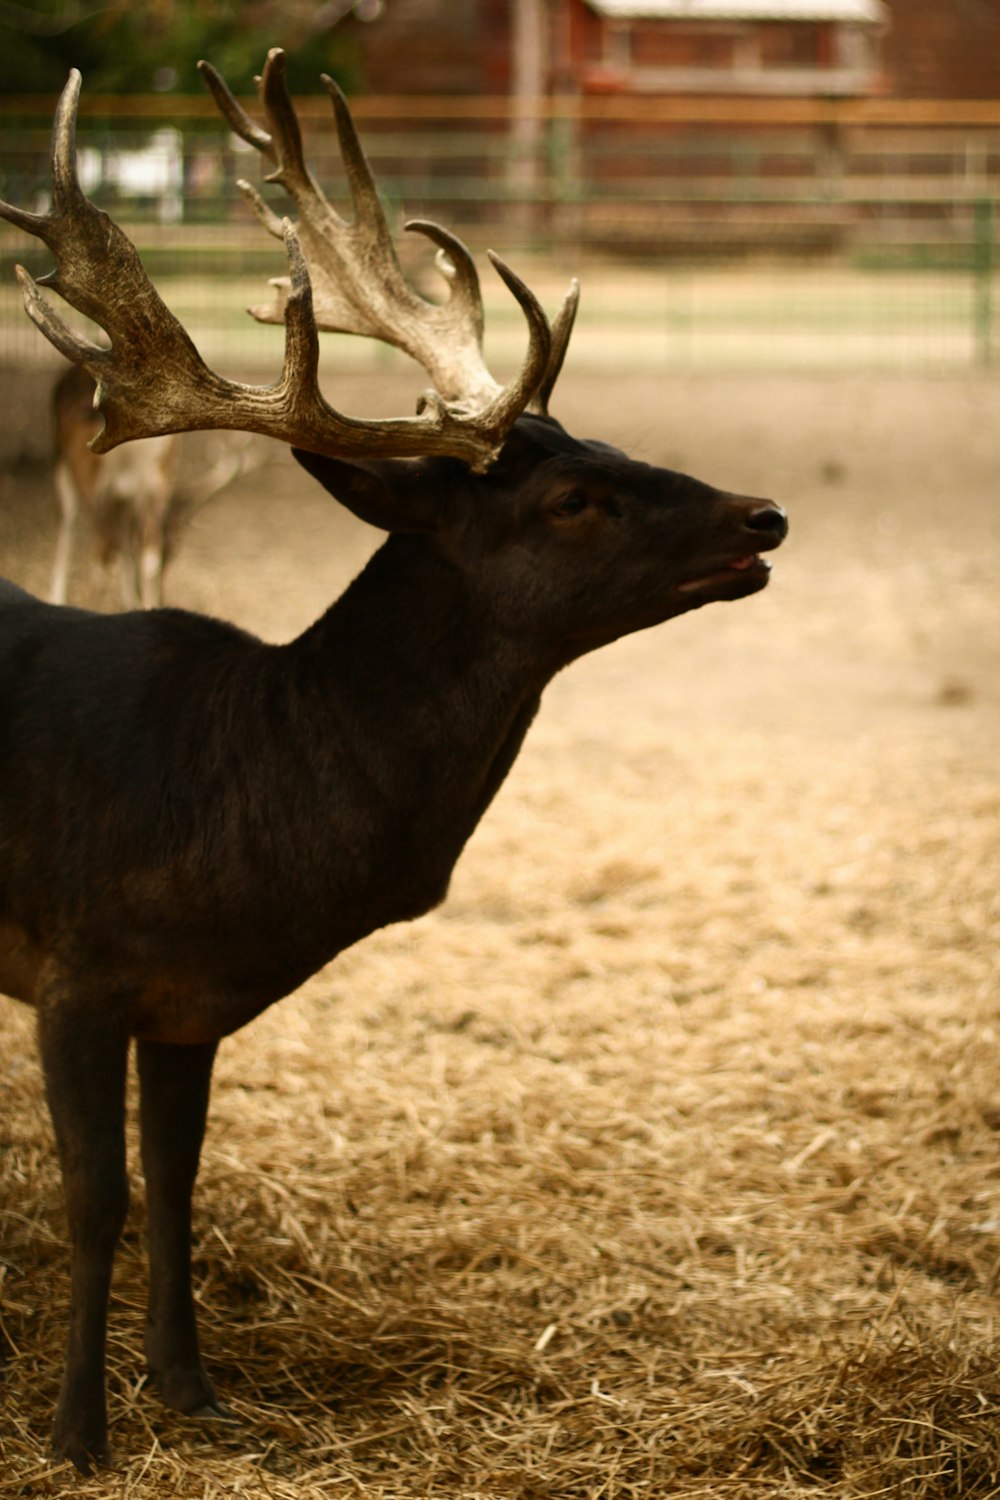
[
  {"x": 790, "y": 185},
  {"x": 699, "y": 1060}
]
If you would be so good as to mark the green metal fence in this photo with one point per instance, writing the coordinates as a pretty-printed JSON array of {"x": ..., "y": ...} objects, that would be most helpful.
[{"x": 707, "y": 235}]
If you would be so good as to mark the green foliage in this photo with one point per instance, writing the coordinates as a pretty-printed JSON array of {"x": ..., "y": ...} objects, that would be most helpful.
[{"x": 127, "y": 46}]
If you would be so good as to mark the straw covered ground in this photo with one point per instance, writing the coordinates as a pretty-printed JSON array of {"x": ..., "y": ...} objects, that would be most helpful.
[{"x": 662, "y": 1160}]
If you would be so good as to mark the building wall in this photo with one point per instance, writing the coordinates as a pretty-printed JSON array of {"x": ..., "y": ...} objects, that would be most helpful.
[
  {"x": 933, "y": 48},
  {"x": 425, "y": 46},
  {"x": 948, "y": 49}
]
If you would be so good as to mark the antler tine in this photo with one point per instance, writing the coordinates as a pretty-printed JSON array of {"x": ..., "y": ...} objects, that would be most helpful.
[
  {"x": 299, "y": 380},
  {"x": 71, "y": 345},
  {"x": 281, "y": 145},
  {"x": 562, "y": 328},
  {"x": 465, "y": 302},
  {"x": 233, "y": 112},
  {"x": 516, "y": 396},
  {"x": 22, "y": 219},
  {"x": 291, "y": 170},
  {"x": 459, "y": 270},
  {"x": 38, "y": 222},
  {"x": 510, "y": 401},
  {"x": 66, "y": 190},
  {"x": 271, "y": 221},
  {"x": 66, "y": 193},
  {"x": 364, "y": 191},
  {"x": 241, "y": 124}
]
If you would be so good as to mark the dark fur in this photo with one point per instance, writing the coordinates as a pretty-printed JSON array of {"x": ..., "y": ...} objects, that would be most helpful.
[{"x": 192, "y": 822}]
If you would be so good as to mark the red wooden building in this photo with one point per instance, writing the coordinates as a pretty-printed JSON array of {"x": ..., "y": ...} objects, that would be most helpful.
[
  {"x": 741, "y": 124},
  {"x": 946, "y": 49}
]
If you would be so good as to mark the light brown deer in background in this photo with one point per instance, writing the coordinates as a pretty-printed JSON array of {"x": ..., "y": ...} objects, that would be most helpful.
[
  {"x": 134, "y": 497},
  {"x": 129, "y": 495}
]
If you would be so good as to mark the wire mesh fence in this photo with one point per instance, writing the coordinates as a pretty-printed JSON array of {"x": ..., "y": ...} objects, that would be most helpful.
[{"x": 787, "y": 235}]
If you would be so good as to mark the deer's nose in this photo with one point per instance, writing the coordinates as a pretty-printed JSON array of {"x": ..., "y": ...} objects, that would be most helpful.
[{"x": 768, "y": 520}]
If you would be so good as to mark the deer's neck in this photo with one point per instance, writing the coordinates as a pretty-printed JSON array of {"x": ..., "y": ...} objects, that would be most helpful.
[
  {"x": 416, "y": 661},
  {"x": 427, "y": 704}
]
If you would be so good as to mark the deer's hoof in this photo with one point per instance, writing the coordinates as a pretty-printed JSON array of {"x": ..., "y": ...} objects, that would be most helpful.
[
  {"x": 187, "y": 1389},
  {"x": 214, "y": 1411},
  {"x": 85, "y": 1454}
]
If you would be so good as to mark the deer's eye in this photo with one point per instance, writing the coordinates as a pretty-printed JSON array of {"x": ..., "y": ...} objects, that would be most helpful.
[{"x": 573, "y": 503}]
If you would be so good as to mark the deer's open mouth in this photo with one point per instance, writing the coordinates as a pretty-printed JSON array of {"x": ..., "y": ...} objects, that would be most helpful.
[{"x": 750, "y": 570}]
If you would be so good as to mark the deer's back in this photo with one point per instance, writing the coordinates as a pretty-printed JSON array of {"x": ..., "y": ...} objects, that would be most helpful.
[{"x": 118, "y": 740}]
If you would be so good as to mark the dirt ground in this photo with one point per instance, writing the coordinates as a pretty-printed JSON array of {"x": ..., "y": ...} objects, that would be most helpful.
[{"x": 662, "y": 1159}]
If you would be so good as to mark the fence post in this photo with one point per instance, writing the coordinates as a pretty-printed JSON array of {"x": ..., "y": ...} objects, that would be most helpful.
[
  {"x": 983, "y": 259},
  {"x": 564, "y": 165}
]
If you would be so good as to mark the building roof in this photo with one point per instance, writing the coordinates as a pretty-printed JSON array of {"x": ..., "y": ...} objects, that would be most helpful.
[{"x": 864, "y": 12}]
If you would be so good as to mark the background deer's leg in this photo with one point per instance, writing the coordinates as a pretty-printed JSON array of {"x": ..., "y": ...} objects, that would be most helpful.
[
  {"x": 128, "y": 579},
  {"x": 150, "y": 571},
  {"x": 174, "y": 1087},
  {"x": 127, "y": 545},
  {"x": 84, "y": 1058},
  {"x": 69, "y": 503},
  {"x": 153, "y": 518}
]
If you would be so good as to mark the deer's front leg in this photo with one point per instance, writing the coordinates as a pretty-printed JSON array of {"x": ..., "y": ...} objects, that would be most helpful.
[
  {"x": 84, "y": 1058},
  {"x": 174, "y": 1088}
]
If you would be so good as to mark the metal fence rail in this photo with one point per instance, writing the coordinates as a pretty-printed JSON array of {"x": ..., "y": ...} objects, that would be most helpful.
[{"x": 715, "y": 233}]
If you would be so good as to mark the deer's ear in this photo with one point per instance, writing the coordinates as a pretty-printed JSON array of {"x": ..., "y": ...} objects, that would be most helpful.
[{"x": 401, "y": 494}]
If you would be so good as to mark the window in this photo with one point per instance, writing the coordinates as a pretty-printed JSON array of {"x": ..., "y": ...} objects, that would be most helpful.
[
  {"x": 665, "y": 46},
  {"x": 789, "y": 46}
]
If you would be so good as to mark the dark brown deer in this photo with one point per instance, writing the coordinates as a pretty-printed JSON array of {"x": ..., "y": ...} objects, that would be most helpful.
[{"x": 192, "y": 822}]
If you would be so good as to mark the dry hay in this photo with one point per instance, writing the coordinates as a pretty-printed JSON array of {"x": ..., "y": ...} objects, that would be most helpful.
[{"x": 663, "y": 1159}]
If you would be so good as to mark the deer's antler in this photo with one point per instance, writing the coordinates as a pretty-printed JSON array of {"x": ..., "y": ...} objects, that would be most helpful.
[
  {"x": 358, "y": 285},
  {"x": 153, "y": 380}
]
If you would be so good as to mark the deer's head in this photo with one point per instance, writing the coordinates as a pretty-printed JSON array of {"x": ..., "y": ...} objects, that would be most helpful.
[{"x": 568, "y": 539}]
